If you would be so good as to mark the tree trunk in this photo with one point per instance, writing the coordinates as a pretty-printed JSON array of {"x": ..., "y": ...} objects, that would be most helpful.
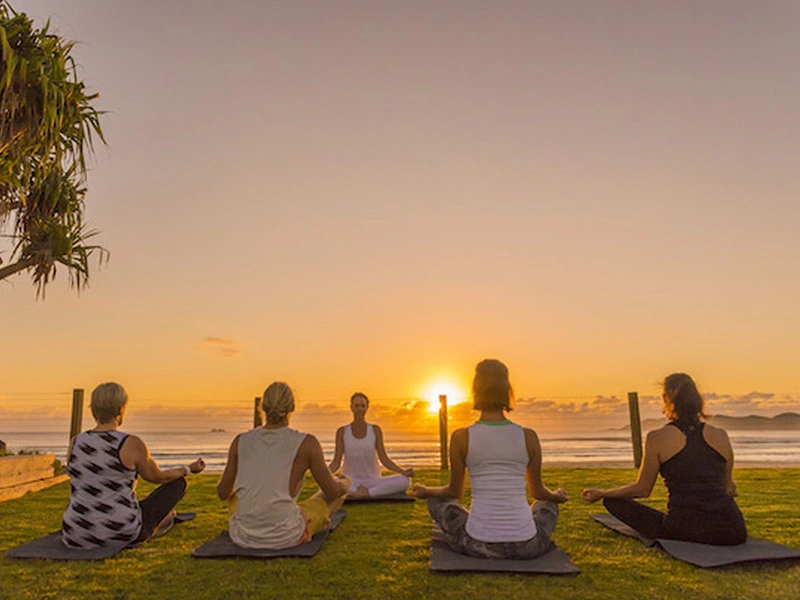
[{"x": 20, "y": 265}]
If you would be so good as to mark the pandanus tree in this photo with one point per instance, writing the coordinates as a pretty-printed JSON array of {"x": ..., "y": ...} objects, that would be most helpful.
[{"x": 47, "y": 128}]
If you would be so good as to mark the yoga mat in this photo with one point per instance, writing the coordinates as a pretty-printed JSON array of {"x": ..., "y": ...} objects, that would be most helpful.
[
  {"x": 707, "y": 556},
  {"x": 398, "y": 497},
  {"x": 51, "y": 547},
  {"x": 223, "y": 547},
  {"x": 444, "y": 560}
]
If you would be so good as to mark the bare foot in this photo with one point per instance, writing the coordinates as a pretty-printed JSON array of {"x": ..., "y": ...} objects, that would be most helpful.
[{"x": 361, "y": 492}]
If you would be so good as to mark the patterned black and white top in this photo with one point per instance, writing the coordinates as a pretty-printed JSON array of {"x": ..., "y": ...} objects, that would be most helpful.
[{"x": 103, "y": 508}]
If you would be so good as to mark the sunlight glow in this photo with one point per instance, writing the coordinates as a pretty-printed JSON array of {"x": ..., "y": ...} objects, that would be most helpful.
[{"x": 455, "y": 392}]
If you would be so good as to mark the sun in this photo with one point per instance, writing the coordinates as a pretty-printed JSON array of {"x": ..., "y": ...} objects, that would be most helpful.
[{"x": 455, "y": 392}]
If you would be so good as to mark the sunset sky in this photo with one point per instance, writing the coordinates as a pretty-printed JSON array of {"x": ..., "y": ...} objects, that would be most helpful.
[{"x": 377, "y": 195}]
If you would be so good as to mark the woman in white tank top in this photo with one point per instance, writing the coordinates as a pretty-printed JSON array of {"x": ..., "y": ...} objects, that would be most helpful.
[
  {"x": 500, "y": 457},
  {"x": 361, "y": 445}
]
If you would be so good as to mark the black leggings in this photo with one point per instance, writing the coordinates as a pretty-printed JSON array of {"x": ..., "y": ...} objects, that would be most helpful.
[
  {"x": 158, "y": 505},
  {"x": 717, "y": 529}
]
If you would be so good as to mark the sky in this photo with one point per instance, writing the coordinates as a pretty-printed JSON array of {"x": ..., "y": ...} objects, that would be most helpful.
[{"x": 375, "y": 196}]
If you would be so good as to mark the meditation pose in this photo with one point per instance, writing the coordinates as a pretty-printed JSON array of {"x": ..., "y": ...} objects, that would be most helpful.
[
  {"x": 362, "y": 446},
  {"x": 102, "y": 464},
  {"x": 696, "y": 461},
  {"x": 500, "y": 456},
  {"x": 264, "y": 477}
]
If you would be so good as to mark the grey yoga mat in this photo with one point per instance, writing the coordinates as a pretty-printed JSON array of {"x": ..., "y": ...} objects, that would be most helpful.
[
  {"x": 51, "y": 547},
  {"x": 223, "y": 547},
  {"x": 705, "y": 555},
  {"x": 446, "y": 560},
  {"x": 398, "y": 497}
]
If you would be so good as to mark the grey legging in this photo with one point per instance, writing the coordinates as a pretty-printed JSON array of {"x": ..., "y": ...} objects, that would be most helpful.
[{"x": 452, "y": 518}]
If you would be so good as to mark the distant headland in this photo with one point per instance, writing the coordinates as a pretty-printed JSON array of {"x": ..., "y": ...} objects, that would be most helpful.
[{"x": 788, "y": 421}]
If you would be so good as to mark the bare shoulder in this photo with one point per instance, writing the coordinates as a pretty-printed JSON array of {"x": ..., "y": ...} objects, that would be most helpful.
[
  {"x": 667, "y": 432},
  {"x": 310, "y": 444},
  {"x": 530, "y": 434},
  {"x": 134, "y": 442},
  {"x": 377, "y": 430},
  {"x": 715, "y": 434},
  {"x": 460, "y": 435},
  {"x": 714, "y": 430}
]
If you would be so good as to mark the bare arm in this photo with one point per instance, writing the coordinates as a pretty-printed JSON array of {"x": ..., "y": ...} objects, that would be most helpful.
[
  {"x": 534, "y": 473},
  {"x": 225, "y": 484},
  {"x": 648, "y": 473},
  {"x": 135, "y": 455},
  {"x": 311, "y": 453},
  {"x": 722, "y": 444},
  {"x": 338, "y": 452},
  {"x": 459, "y": 445},
  {"x": 384, "y": 458}
]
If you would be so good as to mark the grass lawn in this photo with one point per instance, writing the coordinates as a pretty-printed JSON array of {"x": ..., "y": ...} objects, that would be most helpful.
[{"x": 381, "y": 551}]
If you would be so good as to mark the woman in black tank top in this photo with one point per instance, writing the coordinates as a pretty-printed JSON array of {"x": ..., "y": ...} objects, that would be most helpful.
[{"x": 696, "y": 462}]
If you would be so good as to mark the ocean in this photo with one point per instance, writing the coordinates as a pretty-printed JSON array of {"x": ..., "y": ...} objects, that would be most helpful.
[{"x": 763, "y": 448}]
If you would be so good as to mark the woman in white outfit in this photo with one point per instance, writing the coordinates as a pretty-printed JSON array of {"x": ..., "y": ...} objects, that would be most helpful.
[
  {"x": 361, "y": 445},
  {"x": 500, "y": 457}
]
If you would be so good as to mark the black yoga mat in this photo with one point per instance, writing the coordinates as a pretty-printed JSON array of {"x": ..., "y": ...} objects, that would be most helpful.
[
  {"x": 51, "y": 547},
  {"x": 444, "y": 560},
  {"x": 706, "y": 555},
  {"x": 398, "y": 497},
  {"x": 223, "y": 547}
]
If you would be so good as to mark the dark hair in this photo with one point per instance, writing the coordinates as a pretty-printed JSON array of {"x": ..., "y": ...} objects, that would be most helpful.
[
  {"x": 684, "y": 404},
  {"x": 491, "y": 389},
  {"x": 358, "y": 395}
]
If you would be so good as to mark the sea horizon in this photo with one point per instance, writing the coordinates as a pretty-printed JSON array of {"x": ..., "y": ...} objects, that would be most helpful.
[{"x": 601, "y": 448}]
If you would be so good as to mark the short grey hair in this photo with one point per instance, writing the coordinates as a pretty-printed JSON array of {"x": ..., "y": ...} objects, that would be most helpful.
[{"x": 108, "y": 400}]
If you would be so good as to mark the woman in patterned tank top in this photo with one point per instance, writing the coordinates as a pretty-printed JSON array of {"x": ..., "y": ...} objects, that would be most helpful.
[
  {"x": 696, "y": 462},
  {"x": 103, "y": 464}
]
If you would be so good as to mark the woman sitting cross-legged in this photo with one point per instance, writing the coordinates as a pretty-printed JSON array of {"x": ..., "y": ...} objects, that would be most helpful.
[
  {"x": 500, "y": 456},
  {"x": 696, "y": 461},
  {"x": 264, "y": 476},
  {"x": 103, "y": 464},
  {"x": 362, "y": 446}
]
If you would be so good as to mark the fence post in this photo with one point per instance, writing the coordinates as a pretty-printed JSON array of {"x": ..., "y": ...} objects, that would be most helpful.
[
  {"x": 257, "y": 412},
  {"x": 443, "y": 431},
  {"x": 636, "y": 428},
  {"x": 76, "y": 421}
]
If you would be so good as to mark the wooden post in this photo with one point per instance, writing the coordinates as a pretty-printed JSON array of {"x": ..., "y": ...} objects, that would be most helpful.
[
  {"x": 257, "y": 412},
  {"x": 443, "y": 430},
  {"x": 636, "y": 428},
  {"x": 77, "y": 413}
]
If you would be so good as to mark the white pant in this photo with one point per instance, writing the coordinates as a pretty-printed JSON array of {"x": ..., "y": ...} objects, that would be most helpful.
[{"x": 383, "y": 486}]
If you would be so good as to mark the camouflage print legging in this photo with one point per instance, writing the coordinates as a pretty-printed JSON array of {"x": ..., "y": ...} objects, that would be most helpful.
[{"x": 452, "y": 518}]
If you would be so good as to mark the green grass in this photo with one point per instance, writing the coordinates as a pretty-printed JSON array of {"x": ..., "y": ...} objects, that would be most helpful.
[{"x": 381, "y": 551}]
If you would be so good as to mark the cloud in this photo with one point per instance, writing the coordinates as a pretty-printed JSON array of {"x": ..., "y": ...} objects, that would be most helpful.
[{"x": 220, "y": 347}]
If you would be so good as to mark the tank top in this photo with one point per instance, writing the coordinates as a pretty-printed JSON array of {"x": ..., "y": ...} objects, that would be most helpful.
[
  {"x": 102, "y": 509},
  {"x": 696, "y": 476},
  {"x": 497, "y": 461},
  {"x": 266, "y": 514},
  {"x": 360, "y": 457}
]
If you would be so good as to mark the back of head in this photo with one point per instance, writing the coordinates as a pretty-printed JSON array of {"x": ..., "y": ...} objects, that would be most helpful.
[
  {"x": 108, "y": 401},
  {"x": 491, "y": 388},
  {"x": 684, "y": 404},
  {"x": 278, "y": 402}
]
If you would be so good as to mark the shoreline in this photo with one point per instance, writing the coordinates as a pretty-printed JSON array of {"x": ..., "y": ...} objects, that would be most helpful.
[{"x": 628, "y": 464}]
